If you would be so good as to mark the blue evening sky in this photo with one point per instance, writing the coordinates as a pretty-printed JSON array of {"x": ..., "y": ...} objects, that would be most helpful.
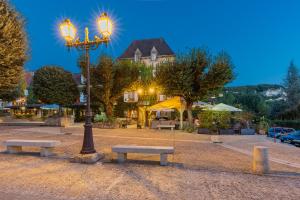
[{"x": 262, "y": 36}]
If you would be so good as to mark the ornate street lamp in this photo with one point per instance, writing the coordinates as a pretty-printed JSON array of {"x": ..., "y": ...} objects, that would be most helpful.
[{"x": 68, "y": 32}]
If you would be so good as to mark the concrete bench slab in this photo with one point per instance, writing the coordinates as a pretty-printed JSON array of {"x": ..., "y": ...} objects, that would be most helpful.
[
  {"x": 47, "y": 146},
  {"x": 159, "y": 126},
  {"x": 122, "y": 151}
]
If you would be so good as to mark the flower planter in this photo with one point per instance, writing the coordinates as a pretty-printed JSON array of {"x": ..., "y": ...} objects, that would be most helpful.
[
  {"x": 247, "y": 131},
  {"x": 203, "y": 131},
  {"x": 226, "y": 132},
  {"x": 105, "y": 125}
]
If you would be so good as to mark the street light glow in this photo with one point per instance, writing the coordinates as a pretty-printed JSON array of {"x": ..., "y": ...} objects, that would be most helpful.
[
  {"x": 105, "y": 25},
  {"x": 151, "y": 90},
  {"x": 68, "y": 30},
  {"x": 140, "y": 90}
]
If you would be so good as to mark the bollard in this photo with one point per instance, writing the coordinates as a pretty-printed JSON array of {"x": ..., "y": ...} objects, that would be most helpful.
[{"x": 260, "y": 163}]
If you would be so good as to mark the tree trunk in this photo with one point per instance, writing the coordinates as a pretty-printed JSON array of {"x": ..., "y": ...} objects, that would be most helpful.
[
  {"x": 189, "y": 106},
  {"x": 109, "y": 110}
]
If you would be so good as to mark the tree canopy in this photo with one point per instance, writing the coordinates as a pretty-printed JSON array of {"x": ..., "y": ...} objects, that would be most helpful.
[
  {"x": 13, "y": 48},
  {"x": 54, "y": 85},
  {"x": 109, "y": 80},
  {"x": 195, "y": 75}
]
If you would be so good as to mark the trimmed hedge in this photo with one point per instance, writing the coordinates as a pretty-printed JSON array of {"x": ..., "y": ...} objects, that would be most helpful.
[{"x": 288, "y": 123}]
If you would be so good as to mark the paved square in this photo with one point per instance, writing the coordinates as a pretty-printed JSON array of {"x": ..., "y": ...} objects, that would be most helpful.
[{"x": 199, "y": 169}]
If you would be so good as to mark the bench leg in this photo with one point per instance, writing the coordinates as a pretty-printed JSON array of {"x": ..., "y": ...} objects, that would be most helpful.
[
  {"x": 163, "y": 159},
  {"x": 46, "y": 151},
  {"x": 122, "y": 157},
  {"x": 14, "y": 149},
  {"x": 172, "y": 129}
]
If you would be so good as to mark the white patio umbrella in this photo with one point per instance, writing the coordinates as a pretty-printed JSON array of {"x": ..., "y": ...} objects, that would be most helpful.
[{"x": 224, "y": 107}]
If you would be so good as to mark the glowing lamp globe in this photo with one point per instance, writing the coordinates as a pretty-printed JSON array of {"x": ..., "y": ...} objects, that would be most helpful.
[
  {"x": 68, "y": 30},
  {"x": 105, "y": 25}
]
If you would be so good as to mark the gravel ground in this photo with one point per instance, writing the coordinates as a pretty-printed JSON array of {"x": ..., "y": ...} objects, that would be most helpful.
[{"x": 198, "y": 170}]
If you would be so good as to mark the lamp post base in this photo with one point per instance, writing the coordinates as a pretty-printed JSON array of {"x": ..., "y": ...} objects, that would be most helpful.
[{"x": 87, "y": 158}]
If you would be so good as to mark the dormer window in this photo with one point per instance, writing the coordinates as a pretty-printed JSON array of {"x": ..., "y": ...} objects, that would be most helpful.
[
  {"x": 137, "y": 55},
  {"x": 153, "y": 54}
]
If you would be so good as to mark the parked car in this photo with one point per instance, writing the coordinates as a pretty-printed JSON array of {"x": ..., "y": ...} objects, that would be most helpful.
[
  {"x": 279, "y": 131},
  {"x": 290, "y": 137},
  {"x": 296, "y": 143},
  {"x": 275, "y": 131},
  {"x": 288, "y": 130}
]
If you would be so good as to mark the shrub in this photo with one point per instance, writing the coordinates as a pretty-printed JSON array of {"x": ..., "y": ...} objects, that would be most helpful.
[
  {"x": 288, "y": 123},
  {"x": 24, "y": 116},
  {"x": 263, "y": 124},
  {"x": 214, "y": 120},
  {"x": 189, "y": 128},
  {"x": 100, "y": 117}
]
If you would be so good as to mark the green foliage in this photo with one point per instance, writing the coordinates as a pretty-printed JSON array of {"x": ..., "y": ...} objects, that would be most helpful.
[
  {"x": 109, "y": 80},
  {"x": 189, "y": 128},
  {"x": 214, "y": 120},
  {"x": 78, "y": 116},
  {"x": 252, "y": 89},
  {"x": 13, "y": 48},
  {"x": 263, "y": 124},
  {"x": 24, "y": 116},
  {"x": 121, "y": 107},
  {"x": 145, "y": 73},
  {"x": 195, "y": 76},
  {"x": 288, "y": 123},
  {"x": 228, "y": 99},
  {"x": 289, "y": 110},
  {"x": 290, "y": 114},
  {"x": 100, "y": 117},
  {"x": 31, "y": 99},
  {"x": 54, "y": 85},
  {"x": 292, "y": 84},
  {"x": 251, "y": 102}
]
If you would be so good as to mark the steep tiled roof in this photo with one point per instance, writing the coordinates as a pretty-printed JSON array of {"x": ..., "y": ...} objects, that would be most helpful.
[{"x": 145, "y": 46}]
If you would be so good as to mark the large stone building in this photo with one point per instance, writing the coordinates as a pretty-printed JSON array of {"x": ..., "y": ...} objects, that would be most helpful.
[{"x": 151, "y": 52}]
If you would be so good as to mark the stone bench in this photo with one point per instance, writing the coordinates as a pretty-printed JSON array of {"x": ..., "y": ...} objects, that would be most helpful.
[
  {"x": 172, "y": 126},
  {"x": 47, "y": 146},
  {"x": 122, "y": 151}
]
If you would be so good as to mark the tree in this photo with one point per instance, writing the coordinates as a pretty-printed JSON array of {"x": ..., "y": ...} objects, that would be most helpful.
[
  {"x": 292, "y": 84},
  {"x": 31, "y": 99},
  {"x": 54, "y": 85},
  {"x": 254, "y": 103},
  {"x": 13, "y": 48},
  {"x": 195, "y": 76},
  {"x": 109, "y": 80}
]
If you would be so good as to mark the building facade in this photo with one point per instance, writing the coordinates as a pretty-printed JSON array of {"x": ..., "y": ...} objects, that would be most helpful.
[{"x": 151, "y": 53}]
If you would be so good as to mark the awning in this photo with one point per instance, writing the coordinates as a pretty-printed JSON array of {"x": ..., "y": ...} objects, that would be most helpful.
[
  {"x": 50, "y": 107},
  {"x": 173, "y": 103}
]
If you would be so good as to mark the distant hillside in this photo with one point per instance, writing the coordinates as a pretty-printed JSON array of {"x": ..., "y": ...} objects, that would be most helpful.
[{"x": 269, "y": 91}]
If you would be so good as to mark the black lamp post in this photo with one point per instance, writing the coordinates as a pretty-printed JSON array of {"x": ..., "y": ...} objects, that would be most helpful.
[{"x": 68, "y": 31}]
